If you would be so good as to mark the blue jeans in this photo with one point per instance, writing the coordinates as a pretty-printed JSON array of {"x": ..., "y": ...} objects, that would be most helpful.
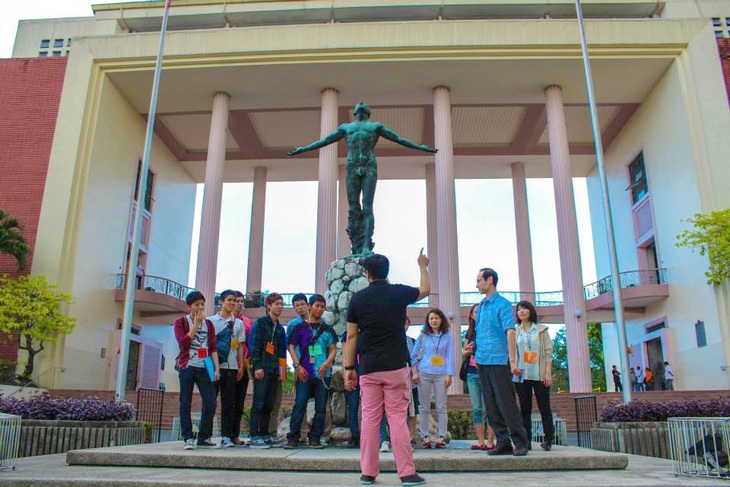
[
  {"x": 305, "y": 390},
  {"x": 384, "y": 434},
  {"x": 190, "y": 376},
  {"x": 353, "y": 405},
  {"x": 264, "y": 393},
  {"x": 477, "y": 399}
]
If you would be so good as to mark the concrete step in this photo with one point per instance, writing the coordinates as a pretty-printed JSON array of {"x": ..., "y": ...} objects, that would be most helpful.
[{"x": 456, "y": 458}]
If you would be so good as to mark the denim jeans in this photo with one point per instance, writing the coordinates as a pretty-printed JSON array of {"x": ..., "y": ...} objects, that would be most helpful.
[
  {"x": 384, "y": 434},
  {"x": 190, "y": 376},
  {"x": 264, "y": 392},
  {"x": 353, "y": 406},
  {"x": 305, "y": 390},
  {"x": 477, "y": 399}
]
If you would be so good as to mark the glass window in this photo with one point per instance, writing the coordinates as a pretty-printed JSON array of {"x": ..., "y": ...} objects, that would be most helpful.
[
  {"x": 700, "y": 332},
  {"x": 56, "y": 53},
  {"x": 45, "y": 43},
  {"x": 58, "y": 43},
  {"x": 43, "y": 54},
  {"x": 68, "y": 42},
  {"x": 637, "y": 175},
  {"x": 716, "y": 22},
  {"x": 656, "y": 327},
  {"x": 150, "y": 187}
]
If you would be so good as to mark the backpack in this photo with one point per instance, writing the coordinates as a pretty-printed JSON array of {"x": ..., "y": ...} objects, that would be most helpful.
[{"x": 224, "y": 342}]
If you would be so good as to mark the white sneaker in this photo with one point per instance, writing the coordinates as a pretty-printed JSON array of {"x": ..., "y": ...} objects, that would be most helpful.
[
  {"x": 227, "y": 443},
  {"x": 189, "y": 444},
  {"x": 385, "y": 446}
]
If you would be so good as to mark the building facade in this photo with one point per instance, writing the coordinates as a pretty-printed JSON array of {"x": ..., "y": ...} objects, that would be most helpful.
[{"x": 497, "y": 87}]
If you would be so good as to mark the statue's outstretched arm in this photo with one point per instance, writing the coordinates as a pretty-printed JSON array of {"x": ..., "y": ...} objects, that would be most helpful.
[
  {"x": 390, "y": 135},
  {"x": 330, "y": 139}
]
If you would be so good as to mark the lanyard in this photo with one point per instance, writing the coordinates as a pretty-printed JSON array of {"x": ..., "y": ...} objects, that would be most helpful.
[
  {"x": 273, "y": 330},
  {"x": 438, "y": 344},
  {"x": 528, "y": 335}
]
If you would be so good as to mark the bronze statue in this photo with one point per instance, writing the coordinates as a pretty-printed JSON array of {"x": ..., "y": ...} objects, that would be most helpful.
[{"x": 362, "y": 171}]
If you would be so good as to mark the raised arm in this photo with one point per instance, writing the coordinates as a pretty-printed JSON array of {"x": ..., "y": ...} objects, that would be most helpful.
[
  {"x": 390, "y": 135},
  {"x": 330, "y": 139}
]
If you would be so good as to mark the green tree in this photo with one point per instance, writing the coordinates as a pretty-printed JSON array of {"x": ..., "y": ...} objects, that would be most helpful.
[
  {"x": 711, "y": 235},
  {"x": 31, "y": 307},
  {"x": 561, "y": 380},
  {"x": 12, "y": 241}
]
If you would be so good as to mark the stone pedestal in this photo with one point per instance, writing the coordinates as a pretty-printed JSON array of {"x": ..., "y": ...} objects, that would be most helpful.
[{"x": 344, "y": 278}]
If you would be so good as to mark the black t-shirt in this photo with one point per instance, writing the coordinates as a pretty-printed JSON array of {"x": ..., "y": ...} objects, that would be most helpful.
[{"x": 380, "y": 311}]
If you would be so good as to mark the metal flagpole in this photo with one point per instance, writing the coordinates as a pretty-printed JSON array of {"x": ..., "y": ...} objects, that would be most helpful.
[
  {"x": 615, "y": 277},
  {"x": 141, "y": 195}
]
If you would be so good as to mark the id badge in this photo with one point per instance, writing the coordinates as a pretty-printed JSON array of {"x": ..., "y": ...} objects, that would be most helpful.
[
  {"x": 234, "y": 344},
  {"x": 472, "y": 361},
  {"x": 312, "y": 359},
  {"x": 315, "y": 350},
  {"x": 270, "y": 348},
  {"x": 530, "y": 357},
  {"x": 437, "y": 360},
  {"x": 202, "y": 352}
]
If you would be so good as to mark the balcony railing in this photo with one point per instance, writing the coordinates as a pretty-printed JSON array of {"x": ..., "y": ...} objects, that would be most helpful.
[{"x": 156, "y": 284}]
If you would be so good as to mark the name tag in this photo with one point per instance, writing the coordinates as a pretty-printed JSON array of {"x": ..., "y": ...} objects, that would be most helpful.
[
  {"x": 437, "y": 360},
  {"x": 202, "y": 352},
  {"x": 270, "y": 348},
  {"x": 473, "y": 361},
  {"x": 530, "y": 357},
  {"x": 234, "y": 344},
  {"x": 315, "y": 350}
]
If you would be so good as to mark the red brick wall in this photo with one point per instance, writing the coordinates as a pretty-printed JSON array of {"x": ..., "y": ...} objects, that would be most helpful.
[
  {"x": 29, "y": 99},
  {"x": 723, "y": 45}
]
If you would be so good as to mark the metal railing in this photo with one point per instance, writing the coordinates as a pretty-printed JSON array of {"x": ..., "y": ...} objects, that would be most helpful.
[
  {"x": 33, "y": 381},
  {"x": 699, "y": 446},
  {"x": 149, "y": 408},
  {"x": 586, "y": 413},
  {"x": 9, "y": 440},
  {"x": 157, "y": 284}
]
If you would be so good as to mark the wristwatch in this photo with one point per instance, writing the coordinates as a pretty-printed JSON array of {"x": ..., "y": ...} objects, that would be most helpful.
[{"x": 296, "y": 366}]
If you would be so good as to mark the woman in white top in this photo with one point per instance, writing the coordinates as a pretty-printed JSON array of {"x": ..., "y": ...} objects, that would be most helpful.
[
  {"x": 534, "y": 361},
  {"x": 433, "y": 369}
]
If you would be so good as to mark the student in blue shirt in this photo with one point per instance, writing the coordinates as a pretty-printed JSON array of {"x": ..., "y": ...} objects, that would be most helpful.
[
  {"x": 433, "y": 369},
  {"x": 313, "y": 347}
]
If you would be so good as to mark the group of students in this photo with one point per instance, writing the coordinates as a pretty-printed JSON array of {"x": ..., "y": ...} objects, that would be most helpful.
[{"x": 229, "y": 341}]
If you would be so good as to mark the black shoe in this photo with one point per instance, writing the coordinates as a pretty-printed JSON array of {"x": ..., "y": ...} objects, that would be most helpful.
[
  {"x": 367, "y": 479},
  {"x": 546, "y": 445},
  {"x": 501, "y": 450},
  {"x": 207, "y": 444},
  {"x": 414, "y": 479},
  {"x": 519, "y": 451},
  {"x": 315, "y": 444},
  {"x": 291, "y": 445}
]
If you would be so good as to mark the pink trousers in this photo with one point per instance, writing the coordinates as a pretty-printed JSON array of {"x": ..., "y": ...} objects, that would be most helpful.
[{"x": 389, "y": 389}]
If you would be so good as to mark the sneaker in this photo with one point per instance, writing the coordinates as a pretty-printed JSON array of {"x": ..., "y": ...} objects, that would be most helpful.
[
  {"x": 414, "y": 479},
  {"x": 426, "y": 443},
  {"x": 367, "y": 479},
  {"x": 313, "y": 443},
  {"x": 189, "y": 444},
  {"x": 291, "y": 445},
  {"x": 274, "y": 442},
  {"x": 227, "y": 442},
  {"x": 259, "y": 443},
  {"x": 207, "y": 444},
  {"x": 385, "y": 446},
  {"x": 441, "y": 443}
]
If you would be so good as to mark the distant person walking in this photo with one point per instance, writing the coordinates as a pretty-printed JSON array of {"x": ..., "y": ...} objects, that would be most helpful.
[
  {"x": 668, "y": 377},
  {"x": 617, "y": 386}
]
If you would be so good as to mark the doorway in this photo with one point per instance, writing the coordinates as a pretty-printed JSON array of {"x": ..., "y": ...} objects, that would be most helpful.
[
  {"x": 132, "y": 366},
  {"x": 655, "y": 361}
]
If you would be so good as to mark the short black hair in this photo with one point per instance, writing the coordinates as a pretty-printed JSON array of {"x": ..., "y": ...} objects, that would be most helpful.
[
  {"x": 194, "y": 296},
  {"x": 238, "y": 294},
  {"x": 377, "y": 265},
  {"x": 299, "y": 297},
  {"x": 529, "y": 307},
  {"x": 226, "y": 293},
  {"x": 316, "y": 298},
  {"x": 272, "y": 298},
  {"x": 488, "y": 272}
]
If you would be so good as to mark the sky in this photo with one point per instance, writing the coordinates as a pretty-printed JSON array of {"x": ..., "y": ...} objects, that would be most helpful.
[{"x": 486, "y": 232}]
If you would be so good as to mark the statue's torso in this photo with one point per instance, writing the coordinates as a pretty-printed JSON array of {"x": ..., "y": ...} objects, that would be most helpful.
[{"x": 361, "y": 139}]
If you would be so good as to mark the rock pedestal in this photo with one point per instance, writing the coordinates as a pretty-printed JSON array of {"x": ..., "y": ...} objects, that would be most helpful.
[{"x": 344, "y": 278}]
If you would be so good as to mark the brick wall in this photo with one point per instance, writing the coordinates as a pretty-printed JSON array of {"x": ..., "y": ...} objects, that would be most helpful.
[
  {"x": 29, "y": 99},
  {"x": 723, "y": 45}
]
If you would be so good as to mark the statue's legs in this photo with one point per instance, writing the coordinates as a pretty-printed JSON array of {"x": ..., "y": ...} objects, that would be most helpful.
[
  {"x": 354, "y": 219},
  {"x": 369, "y": 181}
]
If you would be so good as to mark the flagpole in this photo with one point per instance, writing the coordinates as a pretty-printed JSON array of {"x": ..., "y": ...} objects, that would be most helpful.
[
  {"x": 606, "y": 200},
  {"x": 136, "y": 233}
]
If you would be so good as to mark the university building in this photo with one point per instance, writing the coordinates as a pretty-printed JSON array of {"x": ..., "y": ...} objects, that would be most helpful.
[{"x": 497, "y": 86}]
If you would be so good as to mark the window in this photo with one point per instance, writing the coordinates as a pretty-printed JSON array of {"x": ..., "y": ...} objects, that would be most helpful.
[
  {"x": 637, "y": 176},
  {"x": 655, "y": 327},
  {"x": 150, "y": 184},
  {"x": 45, "y": 43},
  {"x": 56, "y": 53},
  {"x": 43, "y": 54},
  {"x": 58, "y": 43},
  {"x": 68, "y": 42},
  {"x": 700, "y": 332}
]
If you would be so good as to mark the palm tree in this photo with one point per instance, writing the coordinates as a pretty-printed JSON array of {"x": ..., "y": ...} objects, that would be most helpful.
[{"x": 12, "y": 241}]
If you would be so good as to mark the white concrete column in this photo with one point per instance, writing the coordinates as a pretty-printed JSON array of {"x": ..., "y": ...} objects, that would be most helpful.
[
  {"x": 327, "y": 193},
  {"x": 446, "y": 239},
  {"x": 570, "y": 266},
  {"x": 211, "y": 214},
  {"x": 343, "y": 207},
  {"x": 432, "y": 233},
  {"x": 256, "y": 235},
  {"x": 522, "y": 225}
]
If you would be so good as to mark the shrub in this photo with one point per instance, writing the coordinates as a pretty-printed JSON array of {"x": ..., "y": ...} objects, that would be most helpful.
[
  {"x": 659, "y": 411},
  {"x": 459, "y": 422},
  {"x": 7, "y": 371},
  {"x": 45, "y": 406}
]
